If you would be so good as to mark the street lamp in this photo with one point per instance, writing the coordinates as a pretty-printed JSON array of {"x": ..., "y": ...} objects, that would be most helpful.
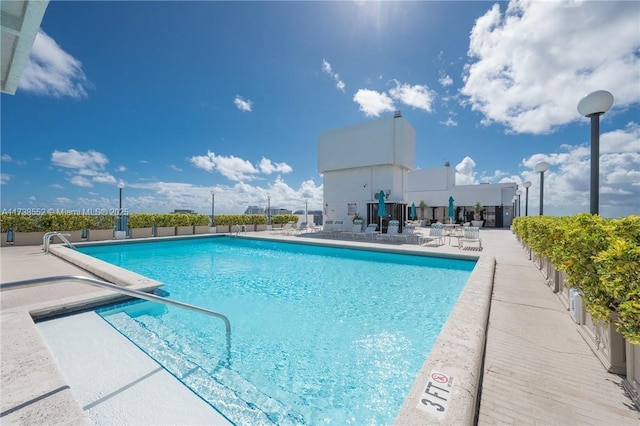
[
  {"x": 120, "y": 186},
  {"x": 213, "y": 204},
  {"x": 269, "y": 210},
  {"x": 513, "y": 201},
  {"x": 593, "y": 106},
  {"x": 306, "y": 211},
  {"x": 541, "y": 168},
  {"x": 526, "y": 185},
  {"x": 518, "y": 193}
]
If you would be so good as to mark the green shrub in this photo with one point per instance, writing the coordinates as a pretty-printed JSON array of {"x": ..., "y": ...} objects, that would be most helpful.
[{"x": 601, "y": 258}]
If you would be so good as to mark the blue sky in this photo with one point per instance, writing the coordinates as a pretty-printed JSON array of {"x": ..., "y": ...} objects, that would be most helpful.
[{"x": 177, "y": 99}]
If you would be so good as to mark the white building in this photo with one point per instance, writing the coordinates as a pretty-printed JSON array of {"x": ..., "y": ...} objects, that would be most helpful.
[{"x": 359, "y": 161}]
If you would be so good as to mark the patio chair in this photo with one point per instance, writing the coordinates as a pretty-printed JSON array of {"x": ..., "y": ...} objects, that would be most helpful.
[
  {"x": 327, "y": 228},
  {"x": 408, "y": 233},
  {"x": 371, "y": 229},
  {"x": 392, "y": 230},
  {"x": 286, "y": 228},
  {"x": 337, "y": 228},
  {"x": 435, "y": 234},
  {"x": 302, "y": 227},
  {"x": 470, "y": 234},
  {"x": 356, "y": 228}
]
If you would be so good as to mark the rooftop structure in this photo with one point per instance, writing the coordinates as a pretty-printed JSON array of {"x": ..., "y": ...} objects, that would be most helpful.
[{"x": 20, "y": 23}]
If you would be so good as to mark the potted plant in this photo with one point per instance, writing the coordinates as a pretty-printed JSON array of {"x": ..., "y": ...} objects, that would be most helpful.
[{"x": 477, "y": 216}]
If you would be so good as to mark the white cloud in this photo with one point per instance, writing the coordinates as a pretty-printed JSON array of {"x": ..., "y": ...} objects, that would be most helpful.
[
  {"x": 53, "y": 72},
  {"x": 373, "y": 103},
  {"x": 450, "y": 122},
  {"x": 464, "y": 172},
  {"x": 244, "y": 106},
  {"x": 530, "y": 65},
  {"x": 416, "y": 96},
  {"x": 267, "y": 167},
  {"x": 445, "y": 80},
  {"x": 231, "y": 167},
  {"x": 4, "y": 178},
  {"x": 83, "y": 164},
  {"x": 175, "y": 168},
  {"x": 237, "y": 169},
  {"x": 326, "y": 68},
  {"x": 121, "y": 169},
  {"x": 6, "y": 157}
]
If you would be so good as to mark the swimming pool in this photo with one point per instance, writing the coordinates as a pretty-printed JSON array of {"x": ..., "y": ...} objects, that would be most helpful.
[{"x": 319, "y": 334}]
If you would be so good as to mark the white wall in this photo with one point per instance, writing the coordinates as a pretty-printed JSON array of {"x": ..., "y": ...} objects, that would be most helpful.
[{"x": 388, "y": 141}]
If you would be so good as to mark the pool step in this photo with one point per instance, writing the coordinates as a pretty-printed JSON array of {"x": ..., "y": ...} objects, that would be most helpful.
[{"x": 223, "y": 388}]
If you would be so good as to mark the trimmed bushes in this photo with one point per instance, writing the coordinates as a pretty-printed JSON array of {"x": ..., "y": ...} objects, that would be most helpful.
[{"x": 601, "y": 258}]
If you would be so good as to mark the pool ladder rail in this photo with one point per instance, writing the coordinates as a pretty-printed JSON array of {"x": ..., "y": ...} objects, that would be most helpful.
[
  {"x": 46, "y": 240},
  {"x": 128, "y": 292}
]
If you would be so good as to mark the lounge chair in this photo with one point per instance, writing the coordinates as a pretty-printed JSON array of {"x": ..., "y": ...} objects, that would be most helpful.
[
  {"x": 302, "y": 227},
  {"x": 286, "y": 228},
  {"x": 408, "y": 233},
  {"x": 337, "y": 228},
  {"x": 370, "y": 230},
  {"x": 470, "y": 234},
  {"x": 435, "y": 234},
  {"x": 392, "y": 230},
  {"x": 356, "y": 228},
  {"x": 328, "y": 228}
]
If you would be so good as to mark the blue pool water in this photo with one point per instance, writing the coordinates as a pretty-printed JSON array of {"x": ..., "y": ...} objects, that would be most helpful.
[{"x": 319, "y": 334}]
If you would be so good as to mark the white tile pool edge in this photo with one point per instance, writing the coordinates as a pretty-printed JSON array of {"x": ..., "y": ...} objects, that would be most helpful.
[{"x": 458, "y": 351}]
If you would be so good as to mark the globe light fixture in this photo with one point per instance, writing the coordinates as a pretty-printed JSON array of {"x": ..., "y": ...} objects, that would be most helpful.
[
  {"x": 526, "y": 185},
  {"x": 593, "y": 106},
  {"x": 541, "y": 168}
]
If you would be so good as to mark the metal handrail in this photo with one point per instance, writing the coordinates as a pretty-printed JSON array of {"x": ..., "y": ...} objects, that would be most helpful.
[
  {"x": 46, "y": 239},
  {"x": 126, "y": 291}
]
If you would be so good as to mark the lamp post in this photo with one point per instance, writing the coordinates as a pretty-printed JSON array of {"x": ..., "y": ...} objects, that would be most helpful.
[
  {"x": 306, "y": 211},
  {"x": 121, "y": 185},
  {"x": 513, "y": 201},
  {"x": 526, "y": 185},
  {"x": 593, "y": 106},
  {"x": 269, "y": 210},
  {"x": 541, "y": 168},
  {"x": 213, "y": 204},
  {"x": 518, "y": 193}
]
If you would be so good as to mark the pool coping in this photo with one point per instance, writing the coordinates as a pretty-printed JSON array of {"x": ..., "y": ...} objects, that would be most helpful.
[{"x": 458, "y": 351}]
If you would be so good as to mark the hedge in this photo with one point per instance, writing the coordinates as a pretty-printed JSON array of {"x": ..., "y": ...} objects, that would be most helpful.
[{"x": 601, "y": 258}]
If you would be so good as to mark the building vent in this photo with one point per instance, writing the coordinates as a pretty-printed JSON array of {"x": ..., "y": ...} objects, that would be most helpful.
[{"x": 397, "y": 114}]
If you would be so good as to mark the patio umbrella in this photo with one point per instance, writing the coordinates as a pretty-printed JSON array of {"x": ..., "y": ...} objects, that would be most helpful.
[
  {"x": 381, "y": 210},
  {"x": 412, "y": 212},
  {"x": 451, "y": 212}
]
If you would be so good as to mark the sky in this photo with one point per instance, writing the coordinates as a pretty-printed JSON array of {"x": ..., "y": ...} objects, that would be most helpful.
[{"x": 179, "y": 99}]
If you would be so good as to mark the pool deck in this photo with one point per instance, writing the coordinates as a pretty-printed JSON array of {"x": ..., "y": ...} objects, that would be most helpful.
[{"x": 537, "y": 367}]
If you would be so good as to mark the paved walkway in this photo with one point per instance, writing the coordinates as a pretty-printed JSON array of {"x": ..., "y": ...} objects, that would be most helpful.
[{"x": 538, "y": 369}]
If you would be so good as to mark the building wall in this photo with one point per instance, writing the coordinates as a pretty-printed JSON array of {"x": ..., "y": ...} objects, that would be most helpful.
[{"x": 388, "y": 141}]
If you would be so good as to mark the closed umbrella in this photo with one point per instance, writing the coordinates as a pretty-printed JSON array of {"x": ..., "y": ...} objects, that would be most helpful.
[
  {"x": 412, "y": 212},
  {"x": 451, "y": 209},
  {"x": 381, "y": 210}
]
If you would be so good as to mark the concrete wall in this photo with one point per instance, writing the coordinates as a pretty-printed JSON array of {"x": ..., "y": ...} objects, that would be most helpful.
[{"x": 390, "y": 141}]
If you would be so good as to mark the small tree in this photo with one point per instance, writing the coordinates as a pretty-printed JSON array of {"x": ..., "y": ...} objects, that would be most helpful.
[
  {"x": 477, "y": 209},
  {"x": 422, "y": 206}
]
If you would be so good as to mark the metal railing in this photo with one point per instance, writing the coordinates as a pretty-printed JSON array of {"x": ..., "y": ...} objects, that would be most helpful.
[
  {"x": 46, "y": 240},
  {"x": 128, "y": 292}
]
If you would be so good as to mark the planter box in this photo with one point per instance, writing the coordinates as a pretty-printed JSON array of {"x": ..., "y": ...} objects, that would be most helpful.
[
  {"x": 221, "y": 229},
  {"x": 213, "y": 230},
  {"x": 3, "y": 241},
  {"x": 605, "y": 342},
  {"x": 632, "y": 382},
  {"x": 201, "y": 229},
  {"x": 141, "y": 232},
  {"x": 100, "y": 234},
  {"x": 165, "y": 231},
  {"x": 477, "y": 223},
  {"x": 184, "y": 230},
  {"x": 260, "y": 228},
  {"x": 29, "y": 238},
  {"x": 563, "y": 289},
  {"x": 74, "y": 237}
]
